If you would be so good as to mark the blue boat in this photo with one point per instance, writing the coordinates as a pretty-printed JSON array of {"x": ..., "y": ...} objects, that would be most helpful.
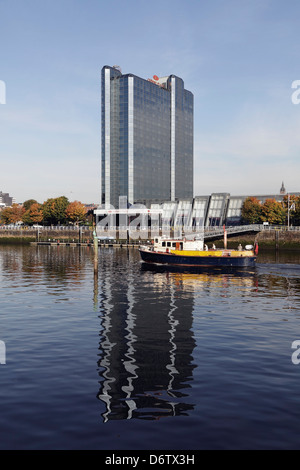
[{"x": 184, "y": 252}]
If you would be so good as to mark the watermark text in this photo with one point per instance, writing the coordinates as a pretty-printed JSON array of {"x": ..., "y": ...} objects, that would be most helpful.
[
  {"x": 296, "y": 353},
  {"x": 296, "y": 94},
  {"x": 2, "y": 352},
  {"x": 141, "y": 223},
  {"x": 2, "y": 92}
]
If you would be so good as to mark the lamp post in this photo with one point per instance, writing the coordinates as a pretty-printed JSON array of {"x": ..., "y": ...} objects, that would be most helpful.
[{"x": 290, "y": 208}]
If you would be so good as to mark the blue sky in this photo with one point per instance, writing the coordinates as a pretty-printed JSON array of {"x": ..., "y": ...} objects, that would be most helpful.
[{"x": 239, "y": 58}]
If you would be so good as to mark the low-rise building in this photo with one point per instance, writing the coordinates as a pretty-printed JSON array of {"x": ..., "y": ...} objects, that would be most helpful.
[
  {"x": 192, "y": 214},
  {"x": 5, "y": 199}
]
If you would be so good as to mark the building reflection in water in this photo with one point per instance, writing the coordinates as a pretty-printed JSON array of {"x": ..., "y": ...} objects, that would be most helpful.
[{"x": 146, "y": 348}]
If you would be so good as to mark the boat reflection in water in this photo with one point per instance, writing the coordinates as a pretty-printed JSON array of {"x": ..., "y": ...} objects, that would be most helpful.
[{"x": 147, "y": 342}]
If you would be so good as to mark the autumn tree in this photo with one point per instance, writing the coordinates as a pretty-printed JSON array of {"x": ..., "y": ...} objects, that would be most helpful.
[
  {"x": 251, "y": 210},
  {"x": 12, "y": 215},
  {"x": 54, "y": 210},
  {"x": 27, "y": 204},
  {"x": 5, "y": 215},
  {"x": 76, "y": 212},
  {"x": 273, "y": 212},
  {"x": 34, "y": 214}
]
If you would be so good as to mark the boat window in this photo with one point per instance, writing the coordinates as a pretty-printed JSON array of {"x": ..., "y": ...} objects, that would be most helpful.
[
  {"x": 174, "y": 244},
  {"x": 156, "y": 240},
  {"x": 181, "y": 245},
  {"x": 163, "y": 244},
  {"x": 168, "y": 243}
]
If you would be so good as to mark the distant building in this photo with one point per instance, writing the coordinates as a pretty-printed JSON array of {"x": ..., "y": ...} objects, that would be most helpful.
[
  {"x": 6, "y": 199},
  {"x": 282, "y": 189},
  {"x": 215, "y": 210},
  {"x": 147, "y": 139}
]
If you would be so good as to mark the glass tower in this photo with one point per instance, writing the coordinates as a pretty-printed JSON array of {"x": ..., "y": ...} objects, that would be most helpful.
[{"x": 147, "y": 139}]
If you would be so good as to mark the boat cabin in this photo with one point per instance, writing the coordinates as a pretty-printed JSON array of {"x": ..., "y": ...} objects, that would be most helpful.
[{"x": 166, "y": 245}]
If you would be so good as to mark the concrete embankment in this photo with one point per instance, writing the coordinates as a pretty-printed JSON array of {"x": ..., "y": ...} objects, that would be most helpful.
[
  {"x": 27, "y": 235},
  {"x": 267, "y": 240},
  {"x": 64, "y": 236}
]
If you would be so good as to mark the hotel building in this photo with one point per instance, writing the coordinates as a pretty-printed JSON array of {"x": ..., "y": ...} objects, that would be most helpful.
[{"x": 147, "y": 139}]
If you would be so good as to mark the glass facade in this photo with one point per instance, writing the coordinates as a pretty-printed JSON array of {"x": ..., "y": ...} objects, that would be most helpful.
[
  {"x": 168, "y": 214},
  {"x": 199, "y": 211},
  {"x": 217, "y": 209},
  {"x": 234, "y": 211},
  {"x": 147, "y": 139},
  {"x": 182, "y": 112},
  {"x": 183, "y": 214},
  {"x": 110, "y": 132},
  {"x": 190, "y": 215}
]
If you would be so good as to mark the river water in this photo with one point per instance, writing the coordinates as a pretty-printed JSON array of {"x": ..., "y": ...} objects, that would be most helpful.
[{"x": 147, "y": 357}]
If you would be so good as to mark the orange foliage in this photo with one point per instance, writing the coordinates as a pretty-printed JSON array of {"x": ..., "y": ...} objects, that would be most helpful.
[{"x": 76, "y": 212}]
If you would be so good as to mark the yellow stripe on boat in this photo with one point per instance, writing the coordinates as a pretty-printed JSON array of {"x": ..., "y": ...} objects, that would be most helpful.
[{"x": 214, "y": 253}]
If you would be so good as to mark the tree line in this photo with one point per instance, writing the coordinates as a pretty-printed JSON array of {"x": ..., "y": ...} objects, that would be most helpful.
[
  {"x": 54, "y": 211},
  {"x": 272, "y": 211},
  {"x": 59, "y": 211}
]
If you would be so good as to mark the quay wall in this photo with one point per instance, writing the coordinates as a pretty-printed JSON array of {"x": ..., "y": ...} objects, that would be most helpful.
[
  {"x": 267, "y": 240},
  {"x": 26, "y": 235}
]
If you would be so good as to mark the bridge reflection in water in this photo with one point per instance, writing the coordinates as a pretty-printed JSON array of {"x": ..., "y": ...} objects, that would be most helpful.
[{"x": 146, "y": 347}]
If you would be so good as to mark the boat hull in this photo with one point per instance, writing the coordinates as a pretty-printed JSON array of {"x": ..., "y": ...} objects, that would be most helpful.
[{"x": 197, "y": 261}]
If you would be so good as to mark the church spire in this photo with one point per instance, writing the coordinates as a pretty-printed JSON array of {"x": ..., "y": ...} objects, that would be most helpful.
[{"x": 282, "y": 189}]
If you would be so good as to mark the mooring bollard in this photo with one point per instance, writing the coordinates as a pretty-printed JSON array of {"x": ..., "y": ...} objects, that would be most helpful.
[
  {"x": 95, "y": 253},
  {"x": 96, "y": 267}
]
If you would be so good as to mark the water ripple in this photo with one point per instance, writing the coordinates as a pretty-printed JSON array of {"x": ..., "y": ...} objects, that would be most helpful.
[{"x": 146, "y": 357}]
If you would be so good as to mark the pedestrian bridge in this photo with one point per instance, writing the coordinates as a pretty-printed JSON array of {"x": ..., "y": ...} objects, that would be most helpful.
[{"x": 218, "y": 232}]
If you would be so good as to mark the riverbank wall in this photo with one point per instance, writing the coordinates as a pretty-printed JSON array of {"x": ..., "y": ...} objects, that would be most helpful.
[
  {"x": 25, "y": 235},
  {"x": 267, "y": 240}
]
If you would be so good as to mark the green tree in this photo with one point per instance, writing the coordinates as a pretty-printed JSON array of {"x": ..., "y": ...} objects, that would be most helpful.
[
  {"x": 273, "y": 212},
  {"x": 296, "y": 215},
  {"x": 251, "y": 211},
  {"x": 54, "y": 210}
]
